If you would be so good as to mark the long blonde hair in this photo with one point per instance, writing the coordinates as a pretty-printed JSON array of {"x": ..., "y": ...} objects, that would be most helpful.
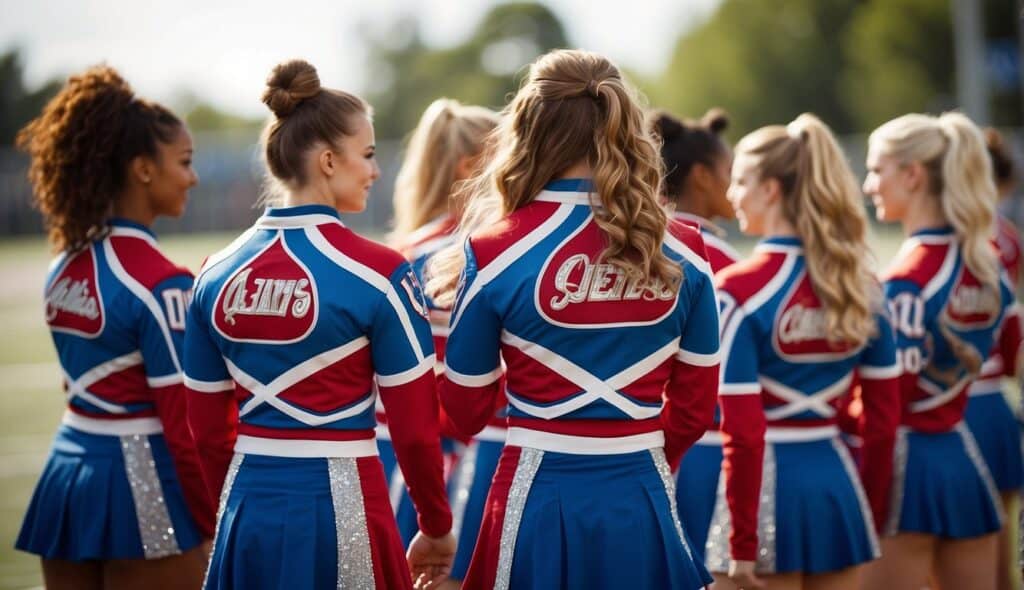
[
  {"x": 952, "y": 150},
  {"x": 822, "y": 200},
  {"x": 572, "y": 107},
  {"x": 447, "y": 132}
]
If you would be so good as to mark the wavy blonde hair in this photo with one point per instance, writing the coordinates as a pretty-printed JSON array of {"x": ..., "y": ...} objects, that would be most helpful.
[
  {"x": 952, "y": 150},
  {"x": 573, "y": 107},
  {"x": 822, "y": 200},
  {"x": 447, "y": 132}
]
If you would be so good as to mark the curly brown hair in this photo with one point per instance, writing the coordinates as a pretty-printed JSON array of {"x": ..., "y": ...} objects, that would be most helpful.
[{"x": 80, "y": 147}]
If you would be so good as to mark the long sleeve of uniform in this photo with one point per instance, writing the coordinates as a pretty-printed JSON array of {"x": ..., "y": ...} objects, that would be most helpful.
[
  {"x": 692, "y": 390},
  {"x": 403, "y": 359},
  {"x": 1011, "y": 341},
  {"x": 743, "y": 428},
  {"x": 879, "y": 373},
  {"x": 212, "y": 411},
  {"x": 161, "y": 334},
  {"x": 906, "y": 310},
  {"x": 472, "y": 356}
]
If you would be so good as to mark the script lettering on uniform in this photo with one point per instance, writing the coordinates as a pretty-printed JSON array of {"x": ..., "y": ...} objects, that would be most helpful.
[
  {"x": 72, "y": 297},
  {"x": 970, "y": 300},
  {"x": 801, "y": 324},
  {"x": 271, "y": 297},
  {"x": 601, "y": 282}
]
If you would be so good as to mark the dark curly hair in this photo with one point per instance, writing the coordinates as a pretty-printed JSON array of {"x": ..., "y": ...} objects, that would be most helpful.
[
  {"x": 80, "y": 147},
  {"x": 685, "y": 143},
  {"x": 1001, "y": 155}
]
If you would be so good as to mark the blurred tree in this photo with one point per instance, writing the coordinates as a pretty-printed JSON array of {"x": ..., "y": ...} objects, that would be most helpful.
[
  {"x": 18, "y": 103},
  {"x": 765, "y": 62},
  {"x": 408, "y": 75}
]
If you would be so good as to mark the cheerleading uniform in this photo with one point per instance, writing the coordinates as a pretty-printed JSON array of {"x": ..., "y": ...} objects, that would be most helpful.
[
  {"x": 122, "y": 480},
  {"x": 289, "y": 328},
  {"x": 941, "y": 485},
  {"x": 609, "y": 379},
  {"x": 697, "y": 478},
  {"x": 988, "y": 415}
]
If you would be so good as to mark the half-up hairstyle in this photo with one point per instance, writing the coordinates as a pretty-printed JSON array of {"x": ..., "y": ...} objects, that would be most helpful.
[
  {"x": 685, "y": 143},
  {"x": 80, "y": 147},
  {"x": 823, "y": 202},
  {"x": 952, "y": 150},
  {"x": 573, "y": 107},
  {"x": 305, "y": 115},
  {"x": 447, "y": 132}
]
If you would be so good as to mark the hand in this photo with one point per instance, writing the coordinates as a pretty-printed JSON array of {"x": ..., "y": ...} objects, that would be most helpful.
[
  {"x": 430, "y": 559},
  {"x": 742, "y": 574}
]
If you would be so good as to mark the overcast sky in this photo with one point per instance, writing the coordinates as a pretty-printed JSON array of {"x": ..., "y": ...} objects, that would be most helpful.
[{"x": 223, "y": 49}]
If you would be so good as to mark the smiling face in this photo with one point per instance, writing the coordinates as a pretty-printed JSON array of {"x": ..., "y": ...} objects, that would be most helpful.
[
  {"x": 887, "y": 184},
  {"x": 171, "y": 175},
  {"x": 356, "y": 170},
  {"x": 752, "y": 198}
]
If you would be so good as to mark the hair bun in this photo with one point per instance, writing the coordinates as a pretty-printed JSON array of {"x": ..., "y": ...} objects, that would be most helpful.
[
  {"x": 668, "y": 127},
  {"x": 289, "y": 84},
  {"x": 716, "y": 120}
]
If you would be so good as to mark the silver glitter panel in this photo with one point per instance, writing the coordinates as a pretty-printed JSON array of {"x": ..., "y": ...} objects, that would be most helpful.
[
  {"x": 717, "y": 554},
  {"x": 661, "y": 463},
  {"x": 355, "y": 560},
  {"x": 974, "y": 453},
  {"x": 526, "y": 470},
  {"x": 155, "y": 527},
  {"x": 899, "y": 477},
  {"x": 463, "y": 484},
  {"x": 225, "y": 493},
  {"x": 862, "y": 498}
]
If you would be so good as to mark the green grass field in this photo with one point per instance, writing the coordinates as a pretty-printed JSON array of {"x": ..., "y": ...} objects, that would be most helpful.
[{"x": 30, "y": 397}]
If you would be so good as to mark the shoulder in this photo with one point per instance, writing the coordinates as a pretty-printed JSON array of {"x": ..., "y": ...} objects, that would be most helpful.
[
  {"x": 687, "y": 242},
  {"x": 917, "y": 263},
  {"x": 377, "y": 258},
  {"x": 745, "y": 279},
  {"x": 140, "y": 259},
  {"x": 489, "y": 243}
]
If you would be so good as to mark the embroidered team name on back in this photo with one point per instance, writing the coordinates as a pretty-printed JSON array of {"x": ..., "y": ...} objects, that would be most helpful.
[
  {"x": 73, "y": 302},
  {"x": 802, "y": 324},
  {"x": 270, "y": 299},
  {"x": 971, "y": 305},
  {"x": 801, "y": 331},
  {"x": 574, "y": 289}
]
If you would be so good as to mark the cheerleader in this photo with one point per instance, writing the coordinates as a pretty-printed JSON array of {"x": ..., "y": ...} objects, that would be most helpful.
[
  {"x": 289, "y": 328},
  {"x": 989, "y": 417},
  {"x": 947, "y": 298},
  {"x": 604, "y": 313},
  {"x": 444, "y": 150},
  {"x": 121, "y": 502},
  {"x": 801, "y": 318},
  {"x": 697, "y": 163}
]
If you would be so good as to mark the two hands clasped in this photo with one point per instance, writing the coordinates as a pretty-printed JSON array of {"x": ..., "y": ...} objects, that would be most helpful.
[{"x": 430, "y": 559}]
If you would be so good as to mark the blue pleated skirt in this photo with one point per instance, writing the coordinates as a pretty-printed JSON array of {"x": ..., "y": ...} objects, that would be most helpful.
[
  {"x": 470, "y": 484},
  {"x": 107, "y": 497},
  {"x": 942, "y": 487},
  {"x": 813, "y": 516},
  {"x": 998, "y": 435},
  {"x": 696, "y": 492}
]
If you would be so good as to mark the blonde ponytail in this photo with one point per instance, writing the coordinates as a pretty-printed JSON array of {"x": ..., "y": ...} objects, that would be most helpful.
[
  {"x": 446, "y": 133},
  {"x": 822, "y": 200}
]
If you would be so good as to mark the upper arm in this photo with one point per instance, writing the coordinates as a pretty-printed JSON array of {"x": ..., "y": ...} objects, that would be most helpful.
[
  {"x": 472, "y": 353},
  {"x": 162, "y": 319},
  {"x": 400, "y": 341}
]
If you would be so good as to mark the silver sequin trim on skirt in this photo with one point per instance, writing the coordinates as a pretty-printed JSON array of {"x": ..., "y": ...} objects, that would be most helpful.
[
  {"x": 155, "y": 527},
  {"x": 225, "y": 492},
  {"x": 899, "y": 477},
  {"x": 717, "y": 553},
  {"x": 526, "y": 470},
  {"x": 661, "y": 463},
  {"x": 355, "y": 560},
  {"x": 862, "y": 498},
  {"x": 974, "y": 453},
  {"x": 463, "y": 476}
]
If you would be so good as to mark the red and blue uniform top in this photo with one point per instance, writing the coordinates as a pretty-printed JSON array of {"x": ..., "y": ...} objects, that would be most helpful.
[
  {"x": 780, "y": 373},
  {"x": 939, "y": 308},
  {"x": 116, "y": 311},
  {"x": 1007, "y": 356},
  {"x": 596, "y": 361},
  {"x": 289, "y": 328}
]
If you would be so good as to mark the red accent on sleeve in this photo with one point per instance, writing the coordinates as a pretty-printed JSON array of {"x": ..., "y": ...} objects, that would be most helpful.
[
  {"x": 877, "y": 424},
  {"x": 413, "y": 421},
  {"x": 1011, "y": 342},
  {"x": 171, "y": 405},
  {"x": 743, "y": 428},
  {"x": 689, "y": 409},
  {"x": 469, "y": 408},
  {"x": 213, "y": 418}
]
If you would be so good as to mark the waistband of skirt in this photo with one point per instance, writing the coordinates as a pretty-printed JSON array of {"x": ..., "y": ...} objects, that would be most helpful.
[
  {"x": 282, "y": 447},
  {"x": 584, "y": 445},
  {"x": 780, "y": 434},
  {"x": 113, "y": 426}
]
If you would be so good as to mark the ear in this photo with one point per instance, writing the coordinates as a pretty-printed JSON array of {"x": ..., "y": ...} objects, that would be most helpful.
[
  {"x": 464, "y": 167},
  {"x": 701, "y": 176},
  {"x": 327, "y": 160},
  {"x": 141, "y": 169},
  {"x": 773, "y": 190},
  {"x": 916, "y": 177}
]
